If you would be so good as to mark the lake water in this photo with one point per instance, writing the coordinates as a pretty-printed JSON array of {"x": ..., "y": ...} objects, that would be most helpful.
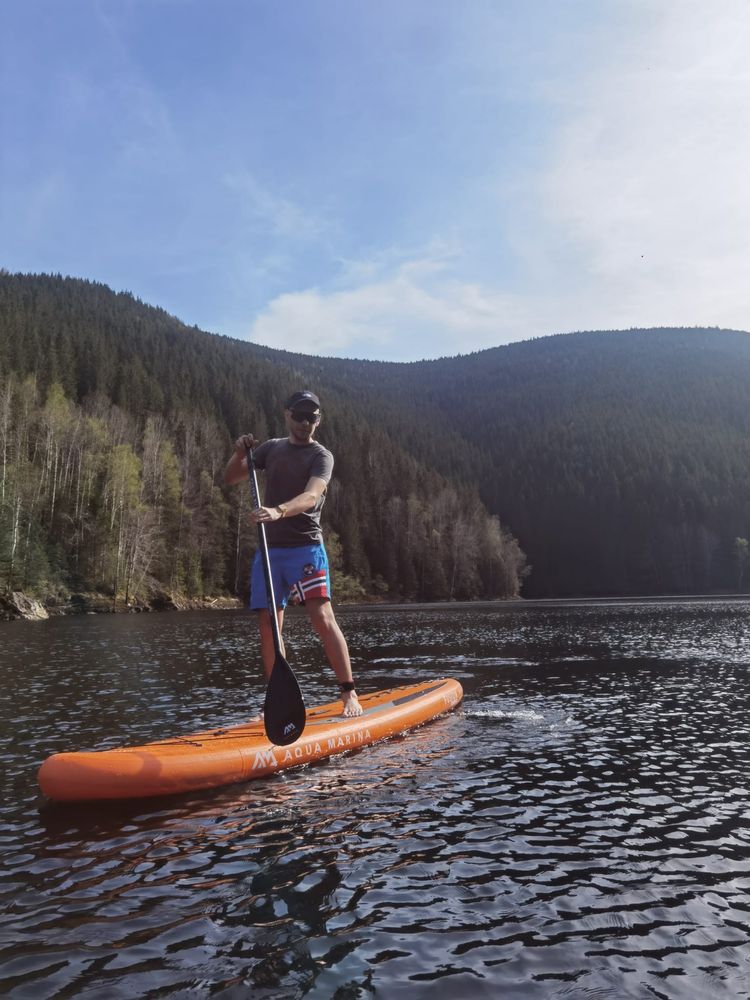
[{"x": 580, "y": 827}]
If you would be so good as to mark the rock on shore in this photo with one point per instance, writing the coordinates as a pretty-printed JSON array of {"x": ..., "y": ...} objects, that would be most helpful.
[{"x": 18, "y": 605}]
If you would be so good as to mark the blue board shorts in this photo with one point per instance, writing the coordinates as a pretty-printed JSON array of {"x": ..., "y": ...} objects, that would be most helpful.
[{"x": 296, "y": 573}]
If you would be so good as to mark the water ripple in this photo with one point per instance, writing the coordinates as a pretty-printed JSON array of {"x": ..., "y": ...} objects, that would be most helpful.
[{"x": 579, "y": 828}]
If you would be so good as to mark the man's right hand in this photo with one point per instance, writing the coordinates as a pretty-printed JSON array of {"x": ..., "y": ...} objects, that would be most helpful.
[{"x": 243, "y": 443}]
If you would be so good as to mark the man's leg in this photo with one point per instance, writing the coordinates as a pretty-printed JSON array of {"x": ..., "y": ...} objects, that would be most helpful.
[
  {"x": 259, "y": 603},
  {"x": 324, "y": 622},
  {"x": 266, "y": 638}
]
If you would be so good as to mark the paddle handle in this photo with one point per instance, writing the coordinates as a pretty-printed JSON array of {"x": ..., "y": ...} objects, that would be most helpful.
[{"x": 263, "y": 544}]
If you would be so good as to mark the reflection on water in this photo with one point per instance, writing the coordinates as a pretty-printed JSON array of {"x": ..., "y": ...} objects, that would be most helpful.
[{"x": 580, "y": 828}]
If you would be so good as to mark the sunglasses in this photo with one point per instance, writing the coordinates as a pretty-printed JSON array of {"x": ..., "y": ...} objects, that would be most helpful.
[{"x": 301, "y": 415}]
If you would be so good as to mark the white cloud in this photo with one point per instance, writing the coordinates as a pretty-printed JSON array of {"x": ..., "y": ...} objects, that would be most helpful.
[
  {"x": 271, "y": 211},
  {"x": 414, "y": 311},
  {"x": 638, "y": 217},
  {"x": 648, "y": 185}
]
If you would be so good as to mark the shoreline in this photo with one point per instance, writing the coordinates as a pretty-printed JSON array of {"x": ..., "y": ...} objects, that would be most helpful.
[
  {"x": 20, "y": 607},
  {"x": 531, "y": 602}
]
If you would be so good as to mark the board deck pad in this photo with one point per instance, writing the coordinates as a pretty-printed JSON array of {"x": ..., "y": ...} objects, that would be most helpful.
[{"x": 240, "y": 753}]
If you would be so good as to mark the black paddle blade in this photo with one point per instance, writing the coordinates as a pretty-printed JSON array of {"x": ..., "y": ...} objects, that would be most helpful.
[{"x": 284, "y": 708}]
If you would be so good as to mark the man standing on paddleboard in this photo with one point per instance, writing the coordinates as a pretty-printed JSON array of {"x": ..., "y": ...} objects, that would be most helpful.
[{"x": 298, "y": 470}]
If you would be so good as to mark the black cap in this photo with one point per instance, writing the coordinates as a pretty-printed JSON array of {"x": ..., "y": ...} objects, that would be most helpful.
[{"x": 302, "y": 397}]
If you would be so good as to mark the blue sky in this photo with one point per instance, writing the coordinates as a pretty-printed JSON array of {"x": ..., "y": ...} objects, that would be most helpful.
[{"x": 392, "y": 180}]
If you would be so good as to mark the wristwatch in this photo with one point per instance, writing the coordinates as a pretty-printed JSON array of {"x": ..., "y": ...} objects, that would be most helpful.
[{"x": 281, "y": 508}]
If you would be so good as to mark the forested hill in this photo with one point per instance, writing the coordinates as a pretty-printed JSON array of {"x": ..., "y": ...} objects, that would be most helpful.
[
  {"x": 620, "y": 460},
  {"x": 116, "y": 421}
]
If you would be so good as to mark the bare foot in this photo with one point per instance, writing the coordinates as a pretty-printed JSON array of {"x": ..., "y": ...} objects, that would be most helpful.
[{"x": 351, "y": 703}]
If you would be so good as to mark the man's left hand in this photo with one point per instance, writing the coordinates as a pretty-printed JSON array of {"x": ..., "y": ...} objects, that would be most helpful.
[{"x": 263, "y": 515}]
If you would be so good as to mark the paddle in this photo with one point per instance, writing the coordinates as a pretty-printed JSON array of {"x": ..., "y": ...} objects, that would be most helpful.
[{"x": 284, "y": 707}]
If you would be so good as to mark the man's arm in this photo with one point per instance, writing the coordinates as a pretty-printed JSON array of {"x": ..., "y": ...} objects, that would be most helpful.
[
  {"x": 314, "y": 490},
  {"x": 306, "y": 500},
  {"x": 236, "y": 470}
]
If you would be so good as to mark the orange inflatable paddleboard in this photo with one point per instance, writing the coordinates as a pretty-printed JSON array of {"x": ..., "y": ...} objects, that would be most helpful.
[{"x": 240, "y": 753}]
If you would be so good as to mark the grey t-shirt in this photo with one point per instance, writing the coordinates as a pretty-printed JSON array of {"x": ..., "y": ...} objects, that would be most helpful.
[{"x": 288, "y": 467}]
